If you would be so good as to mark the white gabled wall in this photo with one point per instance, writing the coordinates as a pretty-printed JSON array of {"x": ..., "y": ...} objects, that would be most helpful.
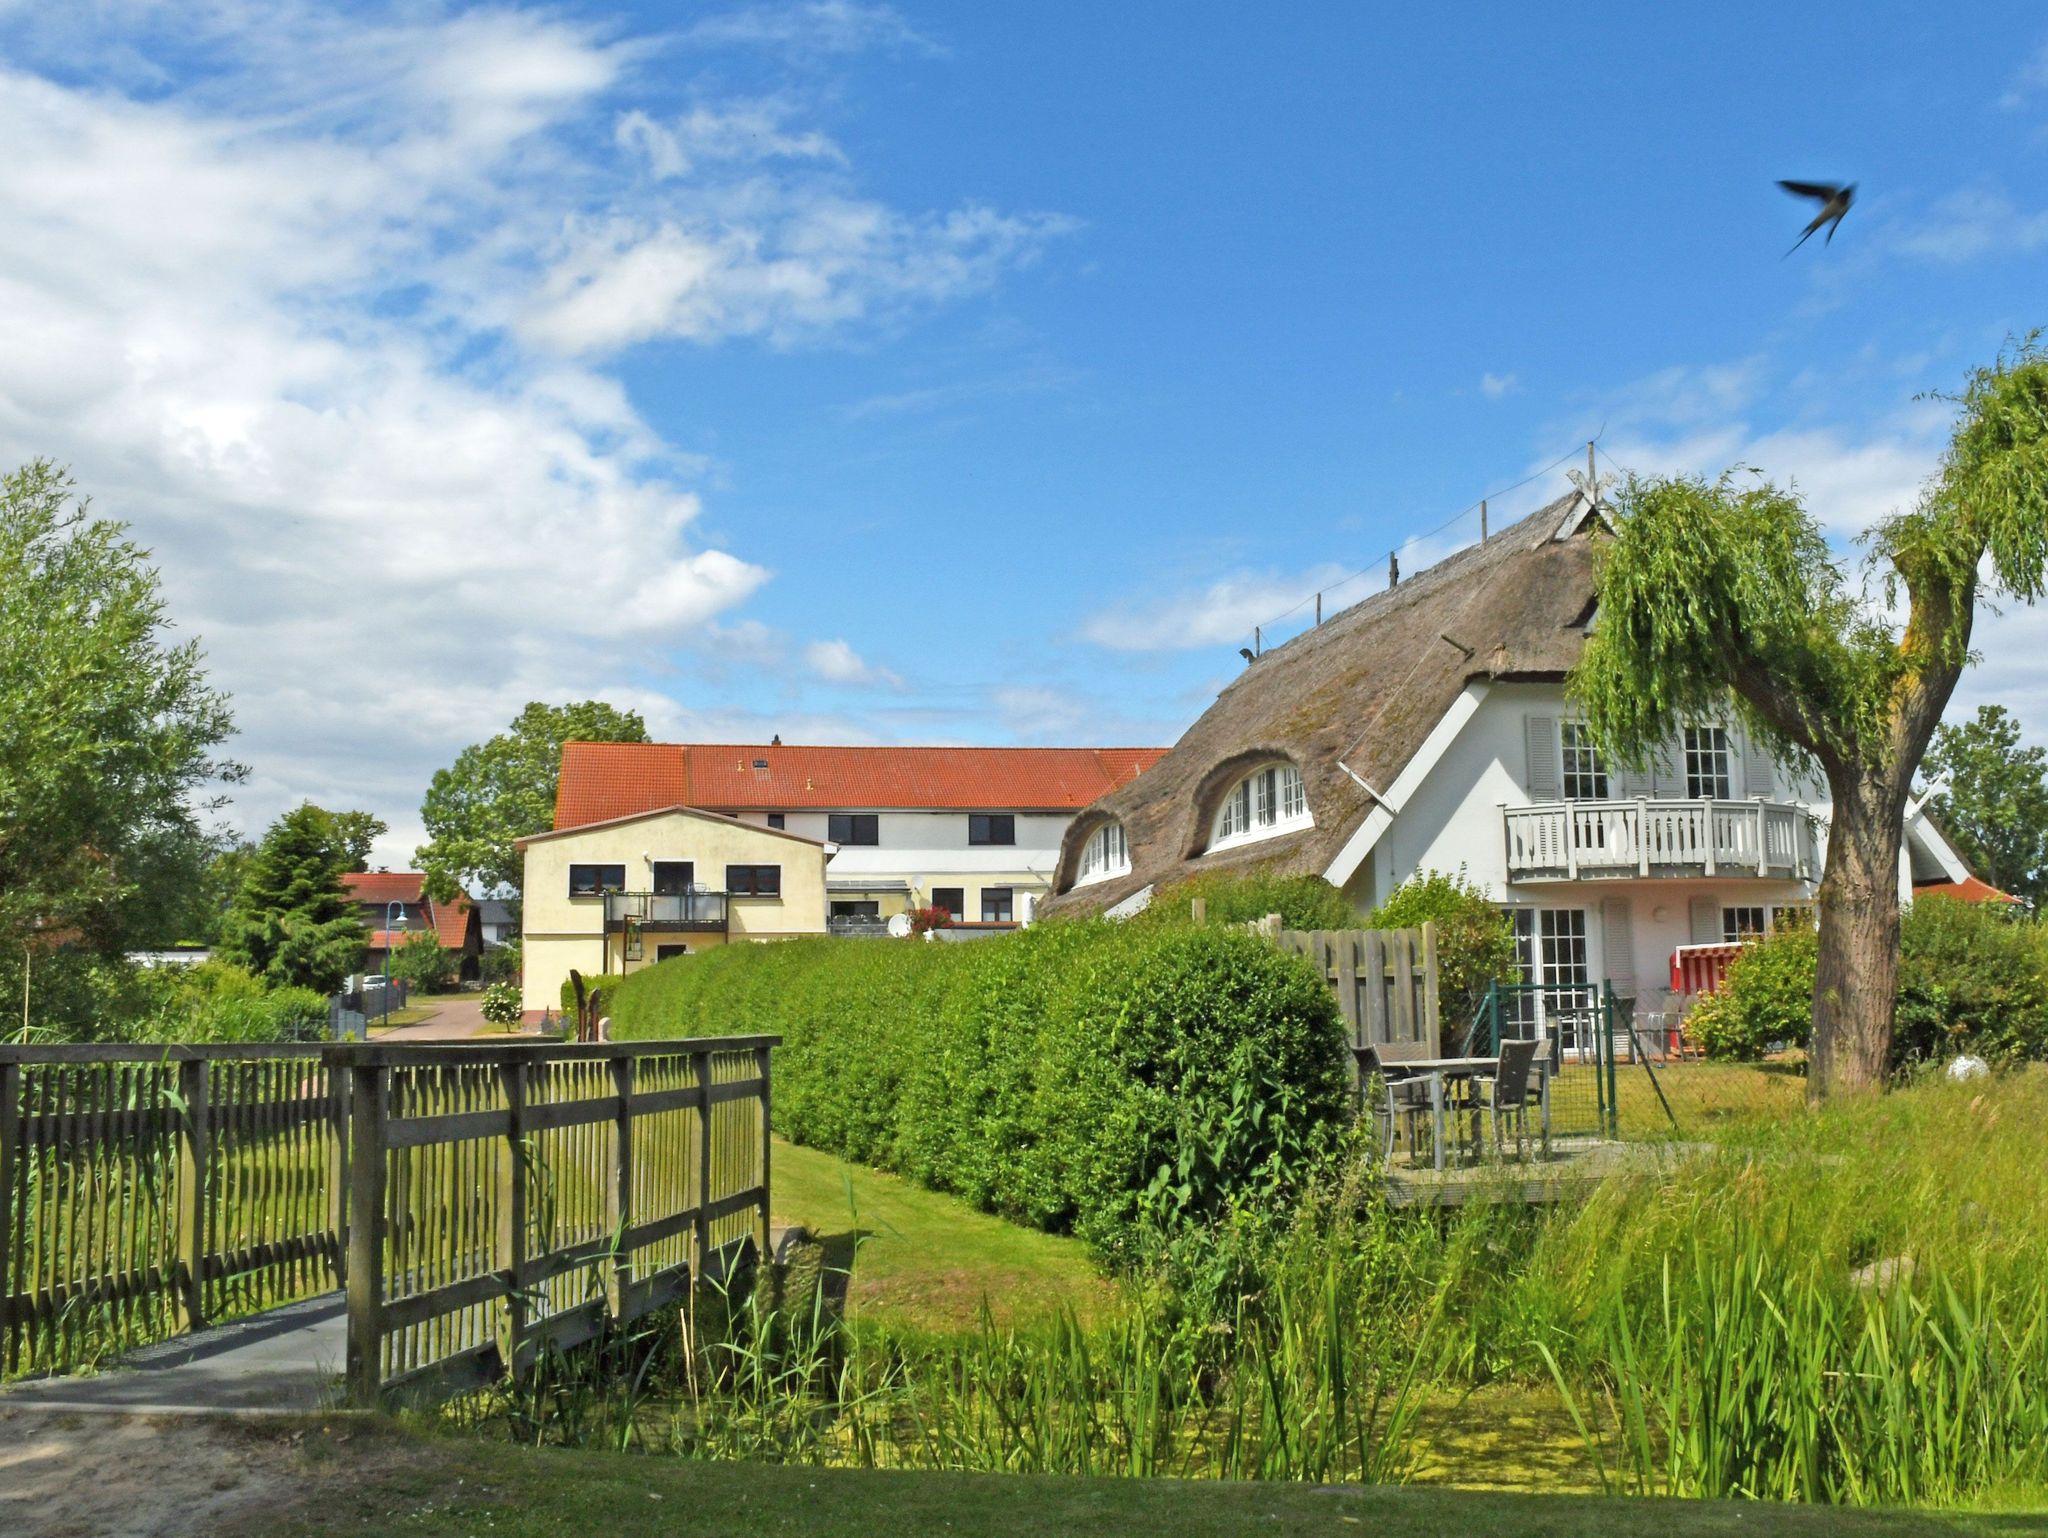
[{"x": 1449, "y": 819}]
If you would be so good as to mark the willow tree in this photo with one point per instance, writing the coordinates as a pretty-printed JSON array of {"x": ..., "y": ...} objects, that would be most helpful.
[{"x": 1727, "y": 591}]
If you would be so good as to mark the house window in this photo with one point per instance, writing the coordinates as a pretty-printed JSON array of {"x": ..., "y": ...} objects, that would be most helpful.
[
  {"x": 1266, "y": 801},
  {"x": 1550, "y": 948},
  {"x": 1107, "y": 853},
  {"x": 1738, "y": 922},
  {"x": 995, "y": 905},
  {"x": 953, "y": 899},
  {"x": 856, "y": 908},
  {"x": 776, "y": 819},
  {"x": 592, "y": 880},
  {"x": 1585, "y": 776},
  {"x": 669, "y": 952},
  {"x": 991, "y": 828},
  {"x": 1707, "y": 775},
  {"x": 672, "y": 878},
  {"x": 854, "y": 828},
  {"x": 753, "y": 880}
]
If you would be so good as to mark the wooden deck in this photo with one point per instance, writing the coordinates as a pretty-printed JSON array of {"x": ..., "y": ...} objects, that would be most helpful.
[{"x": 1574, "y": 1168}]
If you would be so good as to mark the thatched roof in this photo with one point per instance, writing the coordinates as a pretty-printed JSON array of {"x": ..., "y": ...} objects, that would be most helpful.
[{"x": 1359, "y": 693}]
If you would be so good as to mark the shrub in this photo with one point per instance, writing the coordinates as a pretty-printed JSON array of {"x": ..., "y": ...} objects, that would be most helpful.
[
  {"x": 1766, "y": 999},
  {"x": 501, "y": 1004},
  {"x": 1972, "y": 977},
  {"x": 1113, "y": 1080},
  {"x": 1303, "y": 902},
  {"x": 925, "y": 920},
  {"x": 503, "y": 963},
  {"x": 1475, "y": 942},
  {"x": 217, "y": 1002},
  {"x": 425, "y": 963}
]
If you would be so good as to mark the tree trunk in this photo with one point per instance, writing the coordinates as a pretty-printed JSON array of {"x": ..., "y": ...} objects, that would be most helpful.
[{"x": 1856, "y": 986}]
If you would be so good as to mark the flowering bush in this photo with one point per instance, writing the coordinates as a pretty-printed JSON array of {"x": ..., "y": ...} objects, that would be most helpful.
[
  {"x": 501, "y": 1005},
  {"x": 925, "y": 920}
]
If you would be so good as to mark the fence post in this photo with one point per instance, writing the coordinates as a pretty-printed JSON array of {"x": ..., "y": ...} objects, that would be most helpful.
[
  {"x": 369, "y": 1104},
  {"x": 618, "y": 1193},
  {"x": 1613, "y": 1108},
  {"x": 701, "y": 1061},
  {"x": 761, "y": 1069},
  {"x": 1432, "y": 1004},
  {"x": 512, "y": 1224},
  {"x": 10, "y": 1139},
  {"x": 338, "y": 1081},
  {"x": 194, "y": 1157},
  {"x": 1198, "y": 910}
]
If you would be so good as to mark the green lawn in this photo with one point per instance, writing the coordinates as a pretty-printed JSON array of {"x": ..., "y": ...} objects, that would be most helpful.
[
  {"x": 379, "y": 1481},
  {"x": 924, "y": 1258}
]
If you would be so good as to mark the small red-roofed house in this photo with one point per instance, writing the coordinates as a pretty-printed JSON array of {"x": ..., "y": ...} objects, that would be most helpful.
[{"x": 395, "y": 906}]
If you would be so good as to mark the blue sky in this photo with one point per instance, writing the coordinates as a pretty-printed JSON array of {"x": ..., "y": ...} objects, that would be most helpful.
[{"x": 948, "y": 372}]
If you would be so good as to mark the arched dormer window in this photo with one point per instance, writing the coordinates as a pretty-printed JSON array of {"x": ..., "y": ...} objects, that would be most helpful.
[
  {"x": 1107, "y": 853},
  {"x": 1268, "y": 801}
]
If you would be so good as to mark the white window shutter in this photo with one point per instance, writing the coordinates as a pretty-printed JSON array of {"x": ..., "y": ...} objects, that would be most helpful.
[
  {"x": 1757, "y": 776},
  {"x": 1635, "y": 782},
  {"x": 1706, "y": 921},
  {"x": 1618, "y": 945},
  {"x": 1544, "y": 780},
  {"x": 1670, "y": 769}
]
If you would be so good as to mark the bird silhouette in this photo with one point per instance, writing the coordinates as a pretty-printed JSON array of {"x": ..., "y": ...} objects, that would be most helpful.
[{"x": 1834, "y": 202}]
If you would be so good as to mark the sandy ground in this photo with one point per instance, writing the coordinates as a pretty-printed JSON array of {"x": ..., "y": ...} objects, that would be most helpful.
[{"x": 118, "y": 1476}]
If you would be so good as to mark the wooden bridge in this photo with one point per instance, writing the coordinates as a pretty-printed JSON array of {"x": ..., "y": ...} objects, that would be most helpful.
[{"x": 442, "y": 1213}]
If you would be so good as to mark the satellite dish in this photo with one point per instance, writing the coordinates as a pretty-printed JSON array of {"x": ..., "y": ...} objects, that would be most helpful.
[{"x": 899, "y": 925}]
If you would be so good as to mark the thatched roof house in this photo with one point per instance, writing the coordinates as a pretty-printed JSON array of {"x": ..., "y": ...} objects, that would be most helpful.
[{"x": 1353, "y": 705}]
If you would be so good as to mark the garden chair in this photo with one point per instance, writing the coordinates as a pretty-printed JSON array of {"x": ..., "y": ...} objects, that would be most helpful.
[
  {"x": 1505, "y": 1094},
  {"x": 1405, "y": 1093}
]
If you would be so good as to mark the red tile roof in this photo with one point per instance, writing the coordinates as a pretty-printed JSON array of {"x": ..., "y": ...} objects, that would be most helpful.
[
  {"x": 1971, "y": 889},
  {"x": 378, "y": 888},
  {"x": 602, "y": 780}
]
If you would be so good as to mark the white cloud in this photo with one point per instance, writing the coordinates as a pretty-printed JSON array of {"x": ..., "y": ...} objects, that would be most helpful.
[
  {"x": 262, "y": 314},
  {"x": 1493, "y": 386},
  {"x": 838, "y": 663},
  {"x": 1971, "y": 223},
  {"x": 1223, "y": 612},
  {"x": 744, "y": 131},
  {"x": 1032, "y": 710},
  {"x": 813, "y": 27}
]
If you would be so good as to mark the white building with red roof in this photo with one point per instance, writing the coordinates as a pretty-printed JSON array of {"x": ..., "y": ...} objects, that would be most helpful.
[{"x": 660, "y": 849}]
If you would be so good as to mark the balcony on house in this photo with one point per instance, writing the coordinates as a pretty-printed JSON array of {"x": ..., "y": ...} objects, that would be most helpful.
[
  {"x": 1595, "y": 840},
  {"x": 696, "y": 910}
]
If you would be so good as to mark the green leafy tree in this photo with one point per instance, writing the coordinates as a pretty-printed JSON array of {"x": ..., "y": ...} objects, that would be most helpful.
[
  {"x": 353, "y": 834},
  {"x": 504, "y": 789},
  {"x": 425, "y": 963},
  {"x": 108, "y": 729},
  {"x": 1992, "y": 800},
  {"x": 1720, "y": 591},
  {"x": 293, "y": 923}
]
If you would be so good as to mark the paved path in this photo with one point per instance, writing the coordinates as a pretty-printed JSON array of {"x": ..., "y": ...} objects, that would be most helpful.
[
  {"x": 456, "y": 1020},
  {"x": 284, "y": 1359}
]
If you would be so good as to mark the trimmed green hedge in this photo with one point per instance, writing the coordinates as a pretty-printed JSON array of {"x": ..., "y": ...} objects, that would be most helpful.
[
  {"x": 1112, "y": 1080},
  {"x": 609, "y": 982}
]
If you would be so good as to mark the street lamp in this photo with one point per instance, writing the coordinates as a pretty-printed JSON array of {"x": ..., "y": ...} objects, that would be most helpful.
[{"x": 390, "y": 924}]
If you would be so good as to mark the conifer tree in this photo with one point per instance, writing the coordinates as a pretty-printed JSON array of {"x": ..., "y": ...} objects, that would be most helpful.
[{"x": 293, "y": 923}]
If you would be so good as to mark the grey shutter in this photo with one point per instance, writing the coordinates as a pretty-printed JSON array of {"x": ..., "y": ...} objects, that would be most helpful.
[
  {"x": 1757, "y": 779},
  {"x": 1635, "y": 782},
  {"x": 1617, "y": 944},
  {"x": 1669, "y": 778},
  {"x": 1706, "y": 921},
  {"x": 1542, "y": 743}
]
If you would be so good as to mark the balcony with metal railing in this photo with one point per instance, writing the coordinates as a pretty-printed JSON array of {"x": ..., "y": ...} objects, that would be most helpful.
[
  {"x": 1612, "y": 840},
  {"x": 696, "y": 910}
]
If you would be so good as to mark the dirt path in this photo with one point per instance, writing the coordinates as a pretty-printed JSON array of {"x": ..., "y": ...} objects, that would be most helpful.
[
  {"x": 456, "y": 1020},
  {"x": 119, "y": 1476}
]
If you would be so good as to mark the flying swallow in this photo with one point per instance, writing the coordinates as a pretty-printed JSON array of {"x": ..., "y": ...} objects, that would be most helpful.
[{"x": 1834, "y": 202}]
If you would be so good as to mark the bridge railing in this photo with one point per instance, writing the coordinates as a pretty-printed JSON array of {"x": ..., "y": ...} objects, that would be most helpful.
[
  {"x": 146, "y": 1191},
  {"x": 481, "y": 1203}
]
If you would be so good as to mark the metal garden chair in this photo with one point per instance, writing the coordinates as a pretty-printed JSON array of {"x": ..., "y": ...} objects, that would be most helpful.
[{"x": 1505, "y": 1094}]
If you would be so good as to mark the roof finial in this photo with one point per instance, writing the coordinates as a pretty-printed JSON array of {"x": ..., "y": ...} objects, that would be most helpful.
[
  {"x": 1393, "y": 568},
  {"x": 1592, "y": 479},
  {"x": 1482, "y": 520}
]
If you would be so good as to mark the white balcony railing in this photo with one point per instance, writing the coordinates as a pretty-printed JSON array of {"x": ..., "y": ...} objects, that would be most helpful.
[{"x": 1585, "y": 840}]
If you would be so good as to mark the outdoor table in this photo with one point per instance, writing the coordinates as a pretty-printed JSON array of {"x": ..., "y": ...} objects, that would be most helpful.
[{"x": 1441, "y": 1070}]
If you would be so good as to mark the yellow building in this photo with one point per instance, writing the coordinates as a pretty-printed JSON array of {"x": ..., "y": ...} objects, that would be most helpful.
[{"x": 616, "y": 895}]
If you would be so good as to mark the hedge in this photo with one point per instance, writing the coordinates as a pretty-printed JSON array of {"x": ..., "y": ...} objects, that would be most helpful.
[{"x": 1109, "y": 1080}]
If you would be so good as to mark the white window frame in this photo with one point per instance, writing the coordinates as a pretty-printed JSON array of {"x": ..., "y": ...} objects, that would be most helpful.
[
  {"x": 1107, "y": 853},
  {"x": 1734, "y": 921},
  {"x": 1704, "y": 746},
  {"x": 1579, "y": 764},
  {"x": 1269, "y": 801}
]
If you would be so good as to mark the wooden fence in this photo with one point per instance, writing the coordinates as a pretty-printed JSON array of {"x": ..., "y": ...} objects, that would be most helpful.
[
  {"x": 1385, "y": 979},
  {"x": 480, "y": 1203}
]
